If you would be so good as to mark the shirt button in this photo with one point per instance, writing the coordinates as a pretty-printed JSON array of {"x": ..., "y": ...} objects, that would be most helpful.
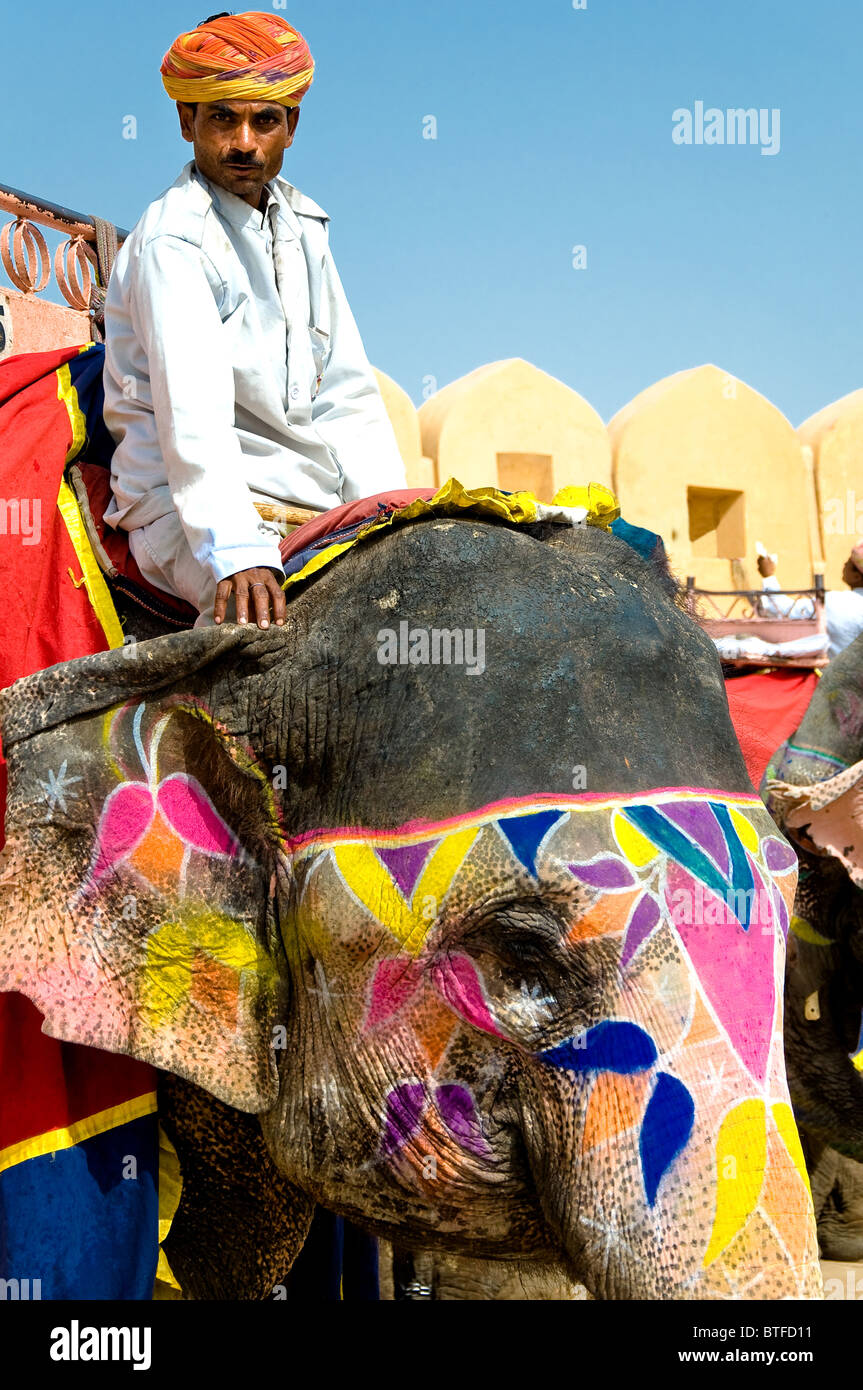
[{"x": 295, "y": 391}]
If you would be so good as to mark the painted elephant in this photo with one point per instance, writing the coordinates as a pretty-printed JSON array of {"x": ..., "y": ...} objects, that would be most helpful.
[
  {"x": 813, "y": 788},
  {"x": 485, "y": 957}
]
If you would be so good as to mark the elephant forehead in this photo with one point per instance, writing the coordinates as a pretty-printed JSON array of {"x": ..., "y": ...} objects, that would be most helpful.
[{"x": 607, "y": 851}]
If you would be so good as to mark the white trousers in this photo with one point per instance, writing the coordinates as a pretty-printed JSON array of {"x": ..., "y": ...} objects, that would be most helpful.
[{"x": 164, "y": 557}]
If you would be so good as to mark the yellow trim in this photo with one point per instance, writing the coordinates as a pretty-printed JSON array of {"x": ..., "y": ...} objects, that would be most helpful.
[
  {"x": 453, "y": 498},
  {"x": 223, "y": 87},
  {"x": 69, "y": 396},
  {"x": 97, "y": 590},
  {"x": 56, "y": 1139},
  {"x": 170, "y": 1189}
]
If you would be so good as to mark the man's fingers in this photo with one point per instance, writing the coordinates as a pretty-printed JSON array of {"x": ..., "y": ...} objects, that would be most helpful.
[
  {"x": 257, "y": 590},
  {"x": 223, "y": 593},
  {"x": 261, "y": 600},
  {"x": 241, "y": 589},
  {"x": 279, "y": 602}
]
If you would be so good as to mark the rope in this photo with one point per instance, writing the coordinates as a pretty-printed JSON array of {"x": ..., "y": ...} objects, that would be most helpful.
[{"x": 107, "y": 245}]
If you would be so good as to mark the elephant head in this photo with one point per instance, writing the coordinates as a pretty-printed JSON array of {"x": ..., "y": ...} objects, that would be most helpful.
[
  {"x": 494, "y": 956},
  {"x": 814, "y": 789}
]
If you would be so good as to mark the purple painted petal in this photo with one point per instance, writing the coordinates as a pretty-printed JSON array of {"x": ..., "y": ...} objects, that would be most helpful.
[
  {"x": 459, "y": 1114},
  {"x": 405, "y": 864},
  {"x": 404, "y": 1109},
  {"x": 605, "y": 873},
  {"x": 778, "y": 855},
  {"x": 644, "y": 917},
  {"x": 698, "y": 821},
  {"x": 780, "y": 911}
]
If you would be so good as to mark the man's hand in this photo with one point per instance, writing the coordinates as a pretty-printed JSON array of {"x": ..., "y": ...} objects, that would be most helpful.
[
  {"x": 766, "y": 566},
  {"x": 258, "y": 590}
]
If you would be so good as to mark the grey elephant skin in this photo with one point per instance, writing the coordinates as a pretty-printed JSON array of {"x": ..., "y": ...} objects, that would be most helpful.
[
  {"x": 413, "y": 1066},
  {"x": 824, "y": 979}
]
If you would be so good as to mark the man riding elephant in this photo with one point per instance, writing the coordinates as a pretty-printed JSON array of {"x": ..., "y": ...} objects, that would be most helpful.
[{"x": 234, "y": 371}]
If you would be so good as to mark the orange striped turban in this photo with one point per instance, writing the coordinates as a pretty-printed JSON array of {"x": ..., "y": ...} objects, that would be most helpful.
[{"x": 242, "y": 57}]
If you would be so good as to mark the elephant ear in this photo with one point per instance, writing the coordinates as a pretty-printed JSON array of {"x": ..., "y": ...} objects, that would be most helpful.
[
  {"x": 137, "y": 905},
  {"x": 826, "y": 817}
]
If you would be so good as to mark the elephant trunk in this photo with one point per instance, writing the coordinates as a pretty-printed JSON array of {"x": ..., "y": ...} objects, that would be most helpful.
[{"x": 650, "y": 1200}]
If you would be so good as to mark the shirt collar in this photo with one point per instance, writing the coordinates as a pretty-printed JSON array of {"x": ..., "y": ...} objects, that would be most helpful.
[
  {"x": 290, "y": 203},
  {"x": 237, "y": 211}
]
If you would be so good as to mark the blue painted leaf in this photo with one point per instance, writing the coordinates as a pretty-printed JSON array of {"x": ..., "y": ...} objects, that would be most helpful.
[
  {"x": 665, "y": 1130},
  {"x": 619, "y": 1047},
  {"x": 526, "y": 833}
]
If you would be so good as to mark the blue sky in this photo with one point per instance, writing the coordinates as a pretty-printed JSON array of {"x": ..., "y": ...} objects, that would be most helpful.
[{"x": 554, "y": 129}]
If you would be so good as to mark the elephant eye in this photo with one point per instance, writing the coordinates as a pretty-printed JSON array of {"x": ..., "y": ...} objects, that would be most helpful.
[{"x": 533, "y": 981}]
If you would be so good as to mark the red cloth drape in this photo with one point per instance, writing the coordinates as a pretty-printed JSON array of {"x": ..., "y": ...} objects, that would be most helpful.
[{"x": 766, "y": 707}]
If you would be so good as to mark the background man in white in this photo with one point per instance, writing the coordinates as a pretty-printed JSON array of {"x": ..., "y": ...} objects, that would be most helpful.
[{"x": 234, "y": 370}]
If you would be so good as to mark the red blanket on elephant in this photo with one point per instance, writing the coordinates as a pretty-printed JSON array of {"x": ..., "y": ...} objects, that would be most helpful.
[{"x": 70, "y": 1117}]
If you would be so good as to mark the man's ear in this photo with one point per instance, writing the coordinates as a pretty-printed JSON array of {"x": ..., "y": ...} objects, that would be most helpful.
[
  {"x": 138, "y": 894},
  {"x": 293, "y": 122},
  {"x": 187, "y": 121}
]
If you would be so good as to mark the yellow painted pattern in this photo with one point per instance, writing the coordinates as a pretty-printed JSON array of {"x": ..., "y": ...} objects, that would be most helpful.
[
  {"x": 370, "y": 881},
  {"x": 171, "y": 953},
  {"x": 741, "y": 1156},
  {"x": 635, "y": 846},
  {"x": 784, "y": 1118},
  {"x": 746, "y": 830},
  {"x": 802, "y": 929}
]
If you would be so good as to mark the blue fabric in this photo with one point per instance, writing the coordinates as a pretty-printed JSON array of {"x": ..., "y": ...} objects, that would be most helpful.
[
  {"x": 91, "y": 1232},
  {"x": 337, "y": 1262},
  {"x": 85, "y": 372},
  {"x": 645, "y": 542}
]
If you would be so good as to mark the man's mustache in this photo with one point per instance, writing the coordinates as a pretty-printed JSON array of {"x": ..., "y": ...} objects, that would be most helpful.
[{"x": 243, "y": 163}]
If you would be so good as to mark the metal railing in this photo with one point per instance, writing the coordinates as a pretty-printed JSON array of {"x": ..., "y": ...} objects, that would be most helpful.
[
  {"x": 748, "y": 613},
  {"x": 24, "y": 250}
]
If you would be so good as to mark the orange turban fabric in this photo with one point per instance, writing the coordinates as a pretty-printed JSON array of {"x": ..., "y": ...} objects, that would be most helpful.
[{"x": 243, "y": 57}]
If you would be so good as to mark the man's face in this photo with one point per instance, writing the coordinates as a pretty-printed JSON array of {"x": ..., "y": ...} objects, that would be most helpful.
[
  {"x": 851, "y": 575},
  {"x": 239, "y": 145}
]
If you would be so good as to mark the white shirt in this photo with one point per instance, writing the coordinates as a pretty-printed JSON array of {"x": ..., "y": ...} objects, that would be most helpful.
[
  {"x": 843, "y": 609},
  {"x": 234, "y": 370}
]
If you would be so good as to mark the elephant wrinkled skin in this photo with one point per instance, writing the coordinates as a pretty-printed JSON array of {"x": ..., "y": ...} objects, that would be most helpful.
[{"x": 491, "y": 960}]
